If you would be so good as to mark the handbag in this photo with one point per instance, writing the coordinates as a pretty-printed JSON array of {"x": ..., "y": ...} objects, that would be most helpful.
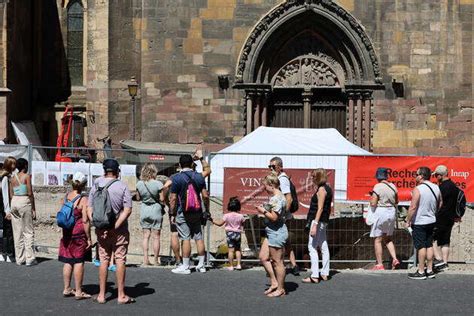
[{"x": 369, "y": 216}]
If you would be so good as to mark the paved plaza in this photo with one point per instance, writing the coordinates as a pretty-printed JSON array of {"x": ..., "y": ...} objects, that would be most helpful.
[{"x": 37, "y": 290}]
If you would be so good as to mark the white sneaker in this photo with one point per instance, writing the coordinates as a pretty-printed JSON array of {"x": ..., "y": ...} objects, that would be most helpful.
[
  {"x": 32, "y": 263},
  {"x": 2, "y": 259},
  {"x": 201, "y": 269},
  {"x": 181, "y": 270},
  {"x": 8, "y": 259}
]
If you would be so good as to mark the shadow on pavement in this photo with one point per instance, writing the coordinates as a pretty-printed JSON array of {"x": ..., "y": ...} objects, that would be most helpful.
[
  {"x": 140, "y": 289},
  {"x": 290, "y": 287}
]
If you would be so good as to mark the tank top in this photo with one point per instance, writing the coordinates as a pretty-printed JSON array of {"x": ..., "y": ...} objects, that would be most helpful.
[
  {"x": 21, "y": 189},
  {"x": 426, "y": 212},
  {"x": 326, "y": 206}
]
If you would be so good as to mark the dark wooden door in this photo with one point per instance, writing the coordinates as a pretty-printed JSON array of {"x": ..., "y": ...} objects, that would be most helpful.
[{"x": 329, "y": 111}]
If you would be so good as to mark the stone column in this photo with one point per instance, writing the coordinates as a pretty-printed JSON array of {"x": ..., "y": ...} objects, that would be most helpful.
[
  {"x": 307, "y": 96},
  {"x": 367, "y": 100},
  {"x": 359, "y": 122},
  {"x": 258, "y": 107},
  {"x": 350, "y": 117},
  {"x": 265, "y": 109},
  {"x": 249, "y": 105}
]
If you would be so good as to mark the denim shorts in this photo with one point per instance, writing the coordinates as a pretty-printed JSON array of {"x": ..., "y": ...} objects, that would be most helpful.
[
  {"x": 277, "y": 238},
  {"x": 233, "y": 239}
]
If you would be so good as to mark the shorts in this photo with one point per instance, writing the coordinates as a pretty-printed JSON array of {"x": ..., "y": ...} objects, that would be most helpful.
[
  {"x": 189, "y": 226},
  {"x": 233, "y": 239},
  {"x": 423, "y": 236},
  {"x": 384, "y": 224},
  {"x": 114, "y": 242},
  {"x": 277, "y": 238},
  {"x": 442, "y": 234},
  {"x": 151, "y": 220}
]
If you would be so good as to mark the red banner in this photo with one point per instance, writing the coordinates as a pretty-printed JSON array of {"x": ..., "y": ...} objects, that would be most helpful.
[
  {"x": 402, "y": 172},
  {"x": 246, "y": 184}
]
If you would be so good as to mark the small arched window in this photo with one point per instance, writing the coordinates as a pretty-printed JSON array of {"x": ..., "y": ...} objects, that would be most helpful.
[{"x": 75, "y": 41}]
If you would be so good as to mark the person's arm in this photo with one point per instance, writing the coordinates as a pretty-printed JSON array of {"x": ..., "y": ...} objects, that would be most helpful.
[
  {"x": 6, "y": 195},
  {"x": 218, "y": 222},
  {"x": 286, "y": 190},
  {"x": 90, "y": 199},
  {"x": 173, "y": 204},
  {"x": 206, "y": 168},
  {"x": 31, "y": 195},
  {"x": 166, "y": 188},
  {"x": 205, "y": 199},
  {"x": 127, "y": 209},
  {"x": 415, "y": 202},
  {"x": 374, "y": 200},
  {"x": 271, "y": 215},
  {"x": 85, "y": 221},
  {"x": 321, "y": 194}
]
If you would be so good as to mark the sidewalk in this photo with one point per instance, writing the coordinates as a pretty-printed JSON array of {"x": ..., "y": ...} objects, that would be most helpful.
[{"x": 38, "y": 290}]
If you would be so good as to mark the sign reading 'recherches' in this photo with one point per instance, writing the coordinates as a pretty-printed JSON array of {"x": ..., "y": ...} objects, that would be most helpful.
[
  {"x": 402, "y": 172},
  {"x": 247, "y": 185}
]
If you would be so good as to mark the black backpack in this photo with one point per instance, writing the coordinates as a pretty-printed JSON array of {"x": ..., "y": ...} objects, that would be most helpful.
[
  {"x": 460, "y": 204},
  {"x": 294, "y": 197}
]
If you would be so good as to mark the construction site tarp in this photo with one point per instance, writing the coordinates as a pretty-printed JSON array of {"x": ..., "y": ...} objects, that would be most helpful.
[{"x": 298, "y": 148}]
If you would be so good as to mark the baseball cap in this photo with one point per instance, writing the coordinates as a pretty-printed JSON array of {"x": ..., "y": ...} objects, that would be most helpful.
[
  {"x": 111, "y": 165},
  {"x": 79, "y": 177},
  {"x": 441, "y": 170}
]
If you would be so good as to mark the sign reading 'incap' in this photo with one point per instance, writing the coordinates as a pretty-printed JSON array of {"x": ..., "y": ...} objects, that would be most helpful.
[{"x": 247, "y": 185}]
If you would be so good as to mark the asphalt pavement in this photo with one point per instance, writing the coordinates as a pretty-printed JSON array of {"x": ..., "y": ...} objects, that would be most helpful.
[{"x": 38, "y": 290}]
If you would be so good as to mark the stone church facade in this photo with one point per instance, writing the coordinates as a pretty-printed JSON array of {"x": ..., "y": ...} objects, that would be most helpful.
[{"x": 391, "y": 76}]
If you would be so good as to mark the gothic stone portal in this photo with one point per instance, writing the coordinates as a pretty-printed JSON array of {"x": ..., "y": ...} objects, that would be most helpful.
[{"x": 309, "y": 64}]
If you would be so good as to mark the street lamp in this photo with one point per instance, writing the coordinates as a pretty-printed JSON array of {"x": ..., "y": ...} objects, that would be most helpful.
[{"x": 132, "y": 91}]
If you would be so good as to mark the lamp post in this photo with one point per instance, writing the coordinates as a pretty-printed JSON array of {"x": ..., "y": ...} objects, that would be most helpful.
[{"x": 132, "y": 91}]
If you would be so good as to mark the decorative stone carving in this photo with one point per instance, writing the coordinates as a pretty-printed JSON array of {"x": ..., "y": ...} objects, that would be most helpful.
[
  {"x": 290, "y": 5},
  {"x": 310, "y": 70}
]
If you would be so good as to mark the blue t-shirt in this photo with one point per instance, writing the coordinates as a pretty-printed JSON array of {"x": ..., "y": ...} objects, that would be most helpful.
[{"x": 180, "y": 184}]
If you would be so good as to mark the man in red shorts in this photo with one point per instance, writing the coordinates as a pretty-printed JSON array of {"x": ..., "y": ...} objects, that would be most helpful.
[{"x": 115, "y": 240}]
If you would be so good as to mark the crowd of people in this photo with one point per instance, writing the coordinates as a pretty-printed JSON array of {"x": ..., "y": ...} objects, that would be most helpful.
[{"x": 108, "y": 206}]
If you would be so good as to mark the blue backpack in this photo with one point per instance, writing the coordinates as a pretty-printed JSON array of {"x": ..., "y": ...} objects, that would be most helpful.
[{"x": 65, "y": 217}]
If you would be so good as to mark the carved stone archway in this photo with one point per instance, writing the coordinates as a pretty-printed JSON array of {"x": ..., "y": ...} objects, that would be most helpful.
[{"x": 308, "y": 55}]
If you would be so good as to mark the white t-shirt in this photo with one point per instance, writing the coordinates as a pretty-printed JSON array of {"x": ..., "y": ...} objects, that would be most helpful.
[{"x": 284, "y": 183}]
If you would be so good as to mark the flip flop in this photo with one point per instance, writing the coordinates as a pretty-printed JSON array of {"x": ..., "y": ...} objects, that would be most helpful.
[
  {"x": 310, "y": 280},
  {"x": 95, "y": 298},
  {"x": 70, "y": 293},
  {"x": 277, "y": 293},
  {"x": 270, "y": 290},
  {"x": 129, "y": 301},
  {"x": 83, "y": 296}
]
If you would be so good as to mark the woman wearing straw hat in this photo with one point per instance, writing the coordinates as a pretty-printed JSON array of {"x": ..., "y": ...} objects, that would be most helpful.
[{"x": 383, "y": 203}]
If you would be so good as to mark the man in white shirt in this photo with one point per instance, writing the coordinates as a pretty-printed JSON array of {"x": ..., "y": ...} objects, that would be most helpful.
[
  {"x": 276, "y": 165},
  {"x": 426, "y": 200}
]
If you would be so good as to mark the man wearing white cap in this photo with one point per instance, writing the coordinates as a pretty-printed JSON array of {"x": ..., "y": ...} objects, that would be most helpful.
[{"x": 444, "y": 218}]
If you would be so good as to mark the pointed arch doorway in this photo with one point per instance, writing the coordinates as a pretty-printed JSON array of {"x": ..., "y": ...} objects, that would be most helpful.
[{"x": 309, "y": 64}]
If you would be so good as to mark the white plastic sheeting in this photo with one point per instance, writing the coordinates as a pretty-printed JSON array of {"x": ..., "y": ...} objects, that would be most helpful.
[{"x": 298, "y": 148}]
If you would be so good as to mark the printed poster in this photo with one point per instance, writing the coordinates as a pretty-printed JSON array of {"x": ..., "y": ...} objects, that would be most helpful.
[
  {"x": 128, "y": 174},
  {"x": 53, "y": 173},
  {"x": 38, "y": 169}
]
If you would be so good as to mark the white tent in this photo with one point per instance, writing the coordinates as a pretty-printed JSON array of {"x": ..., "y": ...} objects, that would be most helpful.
[{"x": 299, "y": 149}]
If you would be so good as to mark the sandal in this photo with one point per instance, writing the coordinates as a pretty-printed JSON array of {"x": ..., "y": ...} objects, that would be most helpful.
[
  {"x": 395, "y": 264},
  {"x": 70, "y": 293},
  {"x": 128, "y": 301},
  {"x": 270, "y": 290},
  {"x": 83, "y": 296},
  {"x": 277, "y": 293},
  {"x": 310, "y": 280},
  {"x": 95, "y": 298},
  {"x": 324, "y": 277}
]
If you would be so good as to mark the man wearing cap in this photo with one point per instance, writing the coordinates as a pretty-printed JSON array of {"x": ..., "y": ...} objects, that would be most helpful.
[
  {"x": 444, "y": 217},
  {"x": 113, "y": 241},
  {"x": 426, "y": 200},
  {"x": 188, "y": 223}
]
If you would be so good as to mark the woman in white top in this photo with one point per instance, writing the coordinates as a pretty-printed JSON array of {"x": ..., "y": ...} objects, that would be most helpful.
[
  {"x": 8, "y": 249},
  {"x": 383, "y": 203}
]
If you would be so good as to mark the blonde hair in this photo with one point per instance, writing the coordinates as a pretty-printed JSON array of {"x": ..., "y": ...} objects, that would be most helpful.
[
  {"x": 320, "y": 176},
  {"x": 8, "y": 166},
  {"x": 149, "y": 172},
  {"x": 272, "y": 180}
]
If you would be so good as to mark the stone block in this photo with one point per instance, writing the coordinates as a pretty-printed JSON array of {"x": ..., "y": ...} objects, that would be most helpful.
[
  {"x": 186, "y": 78},
  {"x": 202, "y": 93},
  {"x": 193, "y": 46}
]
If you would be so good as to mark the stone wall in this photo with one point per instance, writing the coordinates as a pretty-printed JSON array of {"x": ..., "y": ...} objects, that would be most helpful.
[{"x": 177, "y": 49}]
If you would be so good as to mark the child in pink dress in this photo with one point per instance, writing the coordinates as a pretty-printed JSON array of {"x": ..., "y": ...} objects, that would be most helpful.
[{"x": 233, "y": 222}]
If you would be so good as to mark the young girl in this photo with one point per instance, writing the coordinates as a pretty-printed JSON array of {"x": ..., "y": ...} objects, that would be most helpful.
[
  {"x": 233, "y": 226},
  {"x": 273, "y": 246}
]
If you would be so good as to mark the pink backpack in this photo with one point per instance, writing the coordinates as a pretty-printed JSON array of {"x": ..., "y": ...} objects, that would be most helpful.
[{"x": 192, "y": 197}]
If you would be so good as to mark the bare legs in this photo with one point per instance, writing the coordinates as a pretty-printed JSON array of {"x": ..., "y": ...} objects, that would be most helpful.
[
  {"x": 238, "y": 256},
  {"x": 78, "y": 271},
  {"x": 156, "y": 245},
  {"x": 264, "y": 257},
  {"x": 277, "y": 258},
  {"x": 441, "y": 252},
  {"x": 425, "y": 254},
  {"x": 175, "y": 246},
  {"x": 387, "y": 240}
]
